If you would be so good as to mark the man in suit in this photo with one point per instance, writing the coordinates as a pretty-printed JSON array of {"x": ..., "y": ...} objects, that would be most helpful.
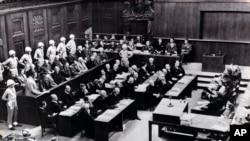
[
  {"x": 151, "y": 96},
  {"x": 171, "y": 47},
  {"x": 151, "y": 66},
  {"x": 160, "y": 46},
  {"x": 57, "y": 75},
  {"x": 56, "y": 106},
  {"x": 82, "y": 92},
  {"x": 143, "y": 73},
  {"x": 79, "y": 52},
  {"x": 103, "y": 55},
  {"x": 47, "y": 118},
  {"x": 74, "y": 68},
  {"x": 114, "y": 71},
  {"x": 91, "y": 62},
  {"x": 66, "y": 72},
  {"x": 114, "y": 97},
  {"x": 177, "y": 70},
  {"x": 186, "y": 48},
  {"x": 46, "y": 82},
  {"x": 67, "y": 97}
]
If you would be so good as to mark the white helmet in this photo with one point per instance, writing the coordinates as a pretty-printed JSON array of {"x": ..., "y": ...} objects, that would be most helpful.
[
  {"x": 40, "y": 44},
  {"x": 71, "y": 36},
  {"x": 51, "y": 42},
  {"x": 12, "y": 52},
  {"x": 26, "y": 132},
  {"x": 124, "y": 46},
  {"x": 28, "y": 49},
  {"x": 10, "y": 82},
  {"x": 62, "y": 39}
]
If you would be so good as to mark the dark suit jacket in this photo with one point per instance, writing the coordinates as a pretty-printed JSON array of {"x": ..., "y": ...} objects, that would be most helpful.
[
  {"x": 56, "y": 107},
  {"x": 143, "y": 74},
  {"x": 177, "y": 71},
  {"x": 80, "y": 54},
  {"x": 68, "y": 99},
  {"x": 90, "y": 64},
  {"x": 58, "y": 77},
  {"x": 150, "y": 68}
]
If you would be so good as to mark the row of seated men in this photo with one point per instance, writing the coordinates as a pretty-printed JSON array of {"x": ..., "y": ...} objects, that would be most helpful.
[
  {"x": 156, "y": 46},
  {"x": 223, "y": 91},
  {"x": 109, "y": 97},
  {"x": 45, "y": 70}
]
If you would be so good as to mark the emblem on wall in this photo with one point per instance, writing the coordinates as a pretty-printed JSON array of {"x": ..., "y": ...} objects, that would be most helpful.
[
  {"x": 138, "y": 10},
  {"x": 37, "y": 22},
  {"x": 138, "y": 7}
]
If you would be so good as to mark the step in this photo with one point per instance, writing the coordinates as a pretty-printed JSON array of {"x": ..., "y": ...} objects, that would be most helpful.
[
  {"x": 204, "y": 79},
  {"x": 202, "y": 85},
  {"x": 242, "y": 89}
]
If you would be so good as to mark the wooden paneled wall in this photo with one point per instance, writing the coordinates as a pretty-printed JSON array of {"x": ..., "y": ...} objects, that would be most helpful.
[
  {"x": 107, "y": 16},
  {"x": 213, "y": 25},
  {"x": 208, "y": 19},
  {"x": 28, "y": 25}
]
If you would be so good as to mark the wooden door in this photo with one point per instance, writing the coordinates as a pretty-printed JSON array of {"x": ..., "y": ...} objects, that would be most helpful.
[
  {"x": 55, "y": 23},
  {"x": 17, "y": 32}
]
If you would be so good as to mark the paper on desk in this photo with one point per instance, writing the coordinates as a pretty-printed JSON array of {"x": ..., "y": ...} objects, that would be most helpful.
[
  {"x": 203, "y": 102},
  {"x": 220, "y": 128},
  {"x": 141, "y": 88},
  {"x": 175, "y": 89},
  {"x": 111, "y": 112}
]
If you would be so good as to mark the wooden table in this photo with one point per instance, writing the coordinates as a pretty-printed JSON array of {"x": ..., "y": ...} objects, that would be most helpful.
[
  {"x": 112, "y": 119},
  {"x": 170, "y": 114},
  {"x": 183, "y": 87},
  {"x": 140, "y": 91},
  {"x": 192, "y": 124},
  {"x": 69, "y": 121},
  {"x": 213, "y": 63}
]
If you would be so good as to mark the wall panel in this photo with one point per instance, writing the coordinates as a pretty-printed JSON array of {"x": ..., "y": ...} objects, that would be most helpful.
[{"x": 17, "y": 32}]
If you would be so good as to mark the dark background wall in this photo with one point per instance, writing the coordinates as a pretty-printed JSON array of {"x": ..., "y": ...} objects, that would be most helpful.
[
  {"x": 107, "y": 16},
  {"x": 206, "y": 19},
  {"x": 216, "y": 25},
  {"x": 27, "y": 26}
]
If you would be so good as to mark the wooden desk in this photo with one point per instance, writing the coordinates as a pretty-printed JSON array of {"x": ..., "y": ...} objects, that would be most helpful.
[
  {"x": 213, "y": 63},
  {"x": 197, "y": 124},
  {"x": 112, "y": 119},
  {"x": 69, "y": 121},
  {"x": 168, "y": 114},
  {"x": 183, "y": 87}
]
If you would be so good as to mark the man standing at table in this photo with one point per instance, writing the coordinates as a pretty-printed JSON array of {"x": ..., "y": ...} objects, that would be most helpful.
[
  {"x": 125, "y": 55},
  {"x": 31, "y": 88},
  {"x": 10, "y": 97}
]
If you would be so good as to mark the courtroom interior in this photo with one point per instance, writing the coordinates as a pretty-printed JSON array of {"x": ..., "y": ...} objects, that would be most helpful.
[{"x": 124, "y": 70}]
